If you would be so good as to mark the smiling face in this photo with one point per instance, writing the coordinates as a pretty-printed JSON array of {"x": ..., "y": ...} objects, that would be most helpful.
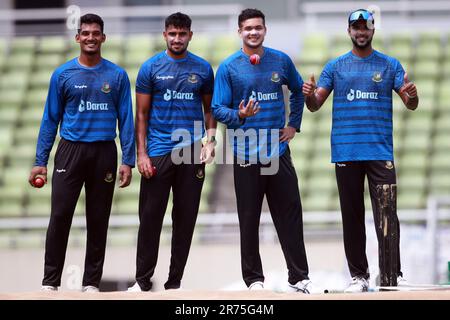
[
  {"x": 252, "y": 32},
  {"x": 90, "y": 38},
  {"x": 361, "y": 34},
  {"x": 177, "y": 39}
]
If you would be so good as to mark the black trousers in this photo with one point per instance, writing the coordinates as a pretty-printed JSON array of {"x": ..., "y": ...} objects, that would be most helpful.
[
  {"x": 283, "y": 198},
  {"x": 93, "y": 165},
  {"x": 350, "y": 178},
  {"x": 186, "y": 182}
]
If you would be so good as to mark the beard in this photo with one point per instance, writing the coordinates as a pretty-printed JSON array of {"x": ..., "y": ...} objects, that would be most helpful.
[
  {"x": 177, "y": 53},
  {"x": 363, "y": 46}
]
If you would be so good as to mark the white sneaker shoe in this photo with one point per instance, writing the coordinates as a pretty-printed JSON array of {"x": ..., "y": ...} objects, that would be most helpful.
[
  {"x": 49, "y": 288},
  {"x": 89, "y": 289},
  {"x": 257, "y": 285},
  {"x": 401, "y": 282},
  {"x": 135, "y": 288},
  {"x": 304, "y": 286},
  {"x": 358, "y": 284}
]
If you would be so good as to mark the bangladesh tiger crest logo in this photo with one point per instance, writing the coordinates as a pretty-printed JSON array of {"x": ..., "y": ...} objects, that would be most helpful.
[
  {"x": 389, "y": 165},
  {"x": 193, "y": 78},
  {"x": 106, "y": 88},
  {"x": 109, "y": 177},
  {"x": 275, "y": 77},
  {"x": 200, "y": 173},
  {"x": 377, "y": 77}
]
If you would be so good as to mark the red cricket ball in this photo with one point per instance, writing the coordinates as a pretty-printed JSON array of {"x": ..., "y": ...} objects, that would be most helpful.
[
  {"x": 153, "y": 171},
  {"x": 255, "y": 58},
  {"x": 38, "y": 182}
]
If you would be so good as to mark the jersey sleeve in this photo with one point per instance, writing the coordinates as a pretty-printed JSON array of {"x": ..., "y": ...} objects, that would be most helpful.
[
  {"x": 399, "y": 75},
  {"x": 125, "y": 122},
  {"x": 296, "y": 99},
  {"x": 208, "y": 86},
  {"x": 53, "y": 111},
  {"x": 222, "y": 102},
  {"x": 326, "y": 77},
  {"x": 143, "y": 81}
]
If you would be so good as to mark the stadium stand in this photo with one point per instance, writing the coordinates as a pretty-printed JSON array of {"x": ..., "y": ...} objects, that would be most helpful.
[{"x": 420, "y": 138}]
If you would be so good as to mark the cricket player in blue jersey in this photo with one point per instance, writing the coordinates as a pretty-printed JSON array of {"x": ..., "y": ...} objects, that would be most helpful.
[
  {"x": 88, "y": 97},
  {"x": 361, "y": 139},
  {"x": 171, "y": 89},
  {"x": 249, "y": 99}
]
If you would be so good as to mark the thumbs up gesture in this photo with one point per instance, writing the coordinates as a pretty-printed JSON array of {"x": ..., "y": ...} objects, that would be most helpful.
[
  {"x": 408, "y": 88},
  {"x": 310, "y": 86}
]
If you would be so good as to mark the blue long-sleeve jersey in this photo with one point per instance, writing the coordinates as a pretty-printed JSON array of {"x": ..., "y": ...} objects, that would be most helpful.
[
  {"x": 236, "y": 80},
  {"x": 362, "y": 105},
  {"x": 88, "y": 103}
]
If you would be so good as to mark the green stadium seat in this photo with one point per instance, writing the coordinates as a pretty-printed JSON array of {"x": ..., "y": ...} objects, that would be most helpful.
[
  {"x": 200, "y": 45},
  {"x": 440, "y": 160},
  {"x": 23, "y": 44},
  {"x": 32, "y": 117},
  {"x": 19, "y": 61},
  {"x": 158, "y": 43},
  {"x": 426, "y": 87},
  {"x": 322, "y": 144},
  {"x": 441, "y": 140},
  {"x": 440, "y": 183},
  {"x": 8, "y": 115},
  {"x": 12, "y": 97},
  {"x": 317, "y": 201},
  {"x": 320, "y": 182},
  {"x": 306, "y": 70},
  {"x": 23, "y": 156},
  {"x": 442, "y": 123},
  {"x": 134, "y": 59},
  {"x": 401, "y": 52},
  {"x": 52, "y": 44},
  {"x": 412, "y": 160},
  {"x": 301, "y": 163},
  {"x": 14, "y": 80},
  {"x": 11, "y": 199},
  {"x": 113, "y": 55},
  {"x": 411, "y": 179},
  {"x": 40, "y": 79},
  {"x": 314, "y": 49},
  {"x": 49, "y": 61},
  {"x": 416, "y": 141},
  {"x": 139, "y": 42},
  {"x": 39, "y": 206},
  {"x": 411, "y": 199},
  {"x": 320, "y": 163},
  {"x": 419, "y": 121},
  {"x": 429, "y": 46},
  {"x": 428, "y": 69},
  {"x": 36, "y": 97},
  {"x": 224, "y": 46},
  {"x": 444, "y": 94},
  {"x": 26, "y": 135}
]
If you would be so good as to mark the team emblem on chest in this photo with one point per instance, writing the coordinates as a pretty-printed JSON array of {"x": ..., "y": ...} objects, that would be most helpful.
[
  {"x": 275, "y": 77},
  {"x": 377, "y": 77},
  {"x": 106, "y": 88},
  {"x": 193, "y": 78}
]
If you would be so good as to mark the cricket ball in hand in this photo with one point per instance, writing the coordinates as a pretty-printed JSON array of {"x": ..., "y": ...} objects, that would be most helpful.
[
  {"x": 255, "y": 58},
  {"x": 38, "y": 182},
  {"x": 153, "y": 171}
]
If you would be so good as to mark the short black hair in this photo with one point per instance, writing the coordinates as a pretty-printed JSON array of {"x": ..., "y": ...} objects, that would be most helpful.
[
  {"x": 90, "y": 18},
  {"x": 179, "y": 20},
  {"x": 250, "y": 14}
]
